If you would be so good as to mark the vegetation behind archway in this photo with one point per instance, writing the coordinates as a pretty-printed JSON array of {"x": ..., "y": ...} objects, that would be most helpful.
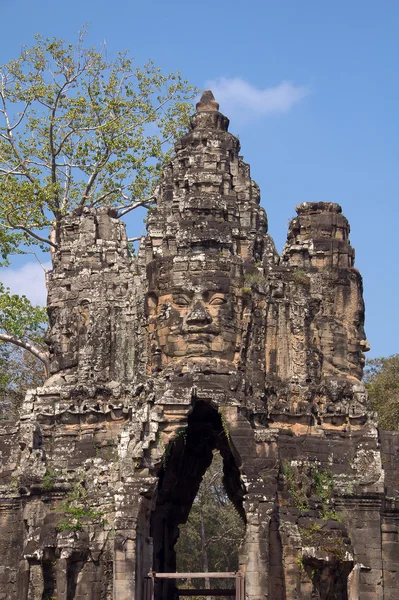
[{"x": 212, "y": 536}]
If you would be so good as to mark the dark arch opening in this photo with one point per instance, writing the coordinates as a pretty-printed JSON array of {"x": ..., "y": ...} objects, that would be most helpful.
[{"x": 186, "y": 460}]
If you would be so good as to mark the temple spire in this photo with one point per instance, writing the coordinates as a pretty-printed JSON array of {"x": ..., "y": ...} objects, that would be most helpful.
[
  {"x": 207, "y": 102},
  {"x": 207, "y": 115}
]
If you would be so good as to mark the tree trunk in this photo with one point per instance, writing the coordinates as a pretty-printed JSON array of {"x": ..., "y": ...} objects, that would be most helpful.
[{"x": 204, "y": 551}]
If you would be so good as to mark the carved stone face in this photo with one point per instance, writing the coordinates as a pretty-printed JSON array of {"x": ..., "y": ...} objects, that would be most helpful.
[
  {"x": 67, "y": 333},
  {"x": 357, "y": 342},
  {"x": 194, "y": 321},
  {"x": 350, "y": 341}
]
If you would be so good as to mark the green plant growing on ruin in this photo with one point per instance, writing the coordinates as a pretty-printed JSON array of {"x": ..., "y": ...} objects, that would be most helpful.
[
  {"x": 308, "y": 533},
  {"x": 299, "y": 561},
  {"x": 330, "y": 514},
  {"x": 254, "y": 278},
  {"x": 181, "y": 434},
  {"x": 337, "y": 549},
  {"x": 247, "y": 291},
  {"x": 323, "y": 482},
  {"x": 49, "y": 479},
  {"x": 299, "y": 276},
  {"x": 76, "y": 507},
  {"x": 73, "y": 515},
  {"x": 78, "y": 491},
  {"x": 224, "y": 425},
  {"x": 297, "y": 492}
]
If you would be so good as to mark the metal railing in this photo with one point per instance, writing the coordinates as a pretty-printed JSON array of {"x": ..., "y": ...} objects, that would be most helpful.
[{"x": 238, "y": 592}]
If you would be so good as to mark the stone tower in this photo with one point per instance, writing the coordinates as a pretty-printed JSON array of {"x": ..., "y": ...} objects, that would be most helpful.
[{"x": 207, "y": 340}]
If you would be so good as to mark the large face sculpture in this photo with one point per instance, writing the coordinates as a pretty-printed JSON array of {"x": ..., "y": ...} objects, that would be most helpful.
[
  {"x": 192, "y": 319},
  {"x": 357, "y": 343},
  {"x": 343, "y": 339},
  {"x": 67, "y": 333}
]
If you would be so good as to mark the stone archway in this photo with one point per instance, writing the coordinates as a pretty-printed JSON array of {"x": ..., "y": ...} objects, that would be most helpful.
[{"x": 185, "y": 461}]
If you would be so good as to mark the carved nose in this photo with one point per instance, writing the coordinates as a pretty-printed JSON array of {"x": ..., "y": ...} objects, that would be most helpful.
[
  {"x": 199, "y": 315},
  {"x": 365, "y": 345}
]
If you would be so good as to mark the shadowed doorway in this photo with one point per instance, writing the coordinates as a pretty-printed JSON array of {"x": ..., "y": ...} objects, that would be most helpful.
[{"x": 187, "y": 459}]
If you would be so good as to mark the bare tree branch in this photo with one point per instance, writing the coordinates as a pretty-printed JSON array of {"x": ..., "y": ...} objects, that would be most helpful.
[
  {"x": 20, "y": 118},
  {"x": 10, "y": 139},
  {"x": 40, "y": 354},
  {"x": 127, "y": 209},
  {"x": 38, "y": 260},
  {"x": 100, "y": 165},
  {"x": 33, "y": 234}
]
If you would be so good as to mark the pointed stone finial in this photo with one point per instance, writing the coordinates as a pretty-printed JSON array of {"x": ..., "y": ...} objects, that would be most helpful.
[
  {"x": 207, "y": 115},
  {"x": 207, "y": 102}
]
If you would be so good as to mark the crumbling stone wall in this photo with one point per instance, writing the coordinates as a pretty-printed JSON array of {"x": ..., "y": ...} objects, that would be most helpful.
[{"x": 207, "y": 340}]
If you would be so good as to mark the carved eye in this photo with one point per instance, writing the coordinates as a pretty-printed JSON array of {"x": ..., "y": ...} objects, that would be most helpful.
[
  {"x": 181, "y": 300},
  {"x": 217, "y": 300}
]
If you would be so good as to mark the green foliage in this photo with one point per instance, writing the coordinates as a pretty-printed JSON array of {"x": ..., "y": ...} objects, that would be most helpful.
[
  {"x": 382, "y": 382},
  {"x": 308, "y": 533},
  {"x": 224, "y": 425},
  {"x": 295, "y": 487},
  {"x": 49, "y": 480},
  {"x": 10, "y": 242},
  {"x": 77, "y": 128},
  {"x": 300, "y": 277},
  {"x": 323, "y": 482},
  {"x": 214, "y": 530},
  {"x": 254, "y": 278},
  {"x": 299, "y": 561},
  {"x": 75, "y": 511},
  {"x": 74, "y": 515},
  {"x": 330, "y": 514},
  {"x": 20, "y": 318},
  {"x": 310, "y": 480},
  {"x": 19, "y": 370},
  {"x": 247, "y": 291}
]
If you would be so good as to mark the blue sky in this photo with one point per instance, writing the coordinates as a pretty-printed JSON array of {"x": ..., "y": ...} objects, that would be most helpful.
[{"x": 311, "y": 89}]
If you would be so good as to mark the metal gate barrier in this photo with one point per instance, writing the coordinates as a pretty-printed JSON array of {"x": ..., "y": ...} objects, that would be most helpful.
[{"x": 238, "y": 592}]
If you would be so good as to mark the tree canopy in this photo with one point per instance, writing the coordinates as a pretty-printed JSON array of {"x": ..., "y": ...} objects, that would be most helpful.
[
  {"x": 382, "y": 382},
  {"x": 80, "y": 129}
]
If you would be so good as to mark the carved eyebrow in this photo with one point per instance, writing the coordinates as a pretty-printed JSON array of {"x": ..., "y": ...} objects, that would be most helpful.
[{"x": 182, "y": 292}]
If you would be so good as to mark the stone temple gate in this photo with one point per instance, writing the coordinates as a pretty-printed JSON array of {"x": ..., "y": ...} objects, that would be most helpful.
[{"x": 208, "y": 339}]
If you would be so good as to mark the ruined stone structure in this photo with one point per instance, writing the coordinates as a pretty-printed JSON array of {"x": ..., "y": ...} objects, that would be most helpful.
[{"x": 208, "y": 339}]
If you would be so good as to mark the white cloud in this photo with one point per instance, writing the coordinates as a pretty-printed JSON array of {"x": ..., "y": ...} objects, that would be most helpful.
[
  {"x": 28, "y": 280},
  {"x": 237, "y": 96}
]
